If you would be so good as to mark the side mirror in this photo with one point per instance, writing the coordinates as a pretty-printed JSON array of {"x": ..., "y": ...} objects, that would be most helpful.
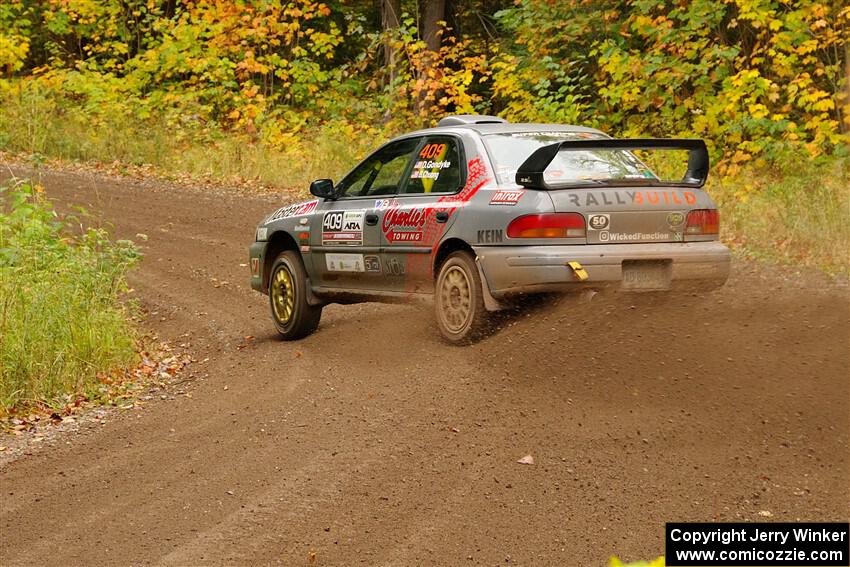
[{"x": 323, "y": 188}]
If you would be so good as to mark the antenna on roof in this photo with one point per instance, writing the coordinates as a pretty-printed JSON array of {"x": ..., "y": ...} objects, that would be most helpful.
[{"x": 466, "y": 119}]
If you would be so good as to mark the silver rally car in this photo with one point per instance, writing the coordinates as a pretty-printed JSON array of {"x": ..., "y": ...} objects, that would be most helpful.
[{"x": 478, "y": 212}]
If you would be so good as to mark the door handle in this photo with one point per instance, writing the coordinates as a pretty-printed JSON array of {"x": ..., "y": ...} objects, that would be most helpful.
[
  {"x": 371, "y": 219},
  {"x": 442, "y": 216}
]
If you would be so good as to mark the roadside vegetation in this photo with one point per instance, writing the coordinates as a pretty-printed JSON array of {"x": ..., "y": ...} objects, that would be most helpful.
[
  {"x": 63, "y": 328},
  {"x": 284, "y": 92}
]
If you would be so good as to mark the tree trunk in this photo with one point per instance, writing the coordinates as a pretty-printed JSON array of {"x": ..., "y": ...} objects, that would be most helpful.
[
  {"x": 390, "y": 21},
  {"x": 433, "y": 12},
  {"x": 845, "y": 120}
]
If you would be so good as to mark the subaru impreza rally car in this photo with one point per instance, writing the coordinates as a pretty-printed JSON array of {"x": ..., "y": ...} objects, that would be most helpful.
[{"x": 477, "y": 212}]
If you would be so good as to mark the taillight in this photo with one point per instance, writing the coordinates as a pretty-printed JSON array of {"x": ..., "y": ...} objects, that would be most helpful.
[
  {"x": 703, "y": 221},
  {"x": 552, "y": 225}
]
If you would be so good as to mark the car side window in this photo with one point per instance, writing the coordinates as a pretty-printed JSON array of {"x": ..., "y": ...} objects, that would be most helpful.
[
  {"x": 381, "y": 173},
  {"x": 437, "y": 167}
]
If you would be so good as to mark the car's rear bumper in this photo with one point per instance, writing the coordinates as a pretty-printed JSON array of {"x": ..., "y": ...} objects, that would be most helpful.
[{"x": 528, "y": 269}]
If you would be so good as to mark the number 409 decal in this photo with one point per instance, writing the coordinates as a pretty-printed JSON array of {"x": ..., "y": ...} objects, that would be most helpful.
[{"x": 432, "y": 150}]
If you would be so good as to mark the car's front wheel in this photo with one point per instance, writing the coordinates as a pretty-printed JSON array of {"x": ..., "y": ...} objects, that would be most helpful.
[
  {"x": 461, "y": 315},
  {"x": 293, "y": 316}
]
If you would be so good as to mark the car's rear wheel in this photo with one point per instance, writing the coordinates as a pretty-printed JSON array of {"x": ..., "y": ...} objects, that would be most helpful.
[
  {"x": 461, "y": 315},
  {"x": 293, "y": 316}
]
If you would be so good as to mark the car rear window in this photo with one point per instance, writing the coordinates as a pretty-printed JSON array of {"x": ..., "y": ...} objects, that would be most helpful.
[{"x": 509, "y": 150}]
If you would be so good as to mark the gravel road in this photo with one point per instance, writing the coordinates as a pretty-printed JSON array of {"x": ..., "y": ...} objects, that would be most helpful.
[{"x": 372, "y": 443}]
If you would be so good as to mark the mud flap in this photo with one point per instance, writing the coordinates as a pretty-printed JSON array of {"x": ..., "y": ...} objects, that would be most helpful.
[
  {"x": 311, "y": 297},
  {"x": 490, "y": 302}
]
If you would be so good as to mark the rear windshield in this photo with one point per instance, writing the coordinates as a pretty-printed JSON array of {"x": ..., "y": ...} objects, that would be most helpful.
[{"x": 509, "y": 150}]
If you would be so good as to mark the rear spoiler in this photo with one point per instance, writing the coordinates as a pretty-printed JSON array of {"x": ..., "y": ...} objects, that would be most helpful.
[{"x": 530, "y": 173}]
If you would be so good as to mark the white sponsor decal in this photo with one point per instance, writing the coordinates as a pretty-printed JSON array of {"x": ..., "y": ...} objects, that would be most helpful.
[
  {"x": 372, "y": 263},
  {"x": 344, "y": 262},
  {"x": 428, "y": 164},
  {"x": 598, "y": 222},
  {"x": 382, "y": 204},
  {"x": 343, "y": 228},
  {"x": 606, "y": 236},
  {"x": 294, "y": 210},
  {"x": 419, "y": 174},
  {"x": 262, "y": 234}
]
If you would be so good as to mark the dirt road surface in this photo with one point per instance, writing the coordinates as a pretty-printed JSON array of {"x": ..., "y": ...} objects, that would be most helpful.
[{"x": 372, "y": 443}]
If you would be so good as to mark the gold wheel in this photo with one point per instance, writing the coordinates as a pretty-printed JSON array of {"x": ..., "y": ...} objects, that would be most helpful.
[
  {"x": 456, "y": 299},
  {"x": 283, "y": 294}
]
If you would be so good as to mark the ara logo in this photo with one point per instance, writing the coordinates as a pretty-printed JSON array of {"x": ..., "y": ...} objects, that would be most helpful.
[{"x": 598, "y": 222}]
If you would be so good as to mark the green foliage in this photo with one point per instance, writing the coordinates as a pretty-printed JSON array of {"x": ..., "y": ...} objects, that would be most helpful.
[
  {"x": 61, "y": 323},
  {"x": 755, "y": 78},
  {"x": 287, "y": 91}
]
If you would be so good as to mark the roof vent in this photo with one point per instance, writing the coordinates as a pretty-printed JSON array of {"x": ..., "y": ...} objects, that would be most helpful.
[{"x": 465, "y": 119}]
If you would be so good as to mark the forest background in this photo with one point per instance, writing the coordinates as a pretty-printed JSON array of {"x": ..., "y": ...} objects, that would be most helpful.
[{"x": 280, "y": 93}]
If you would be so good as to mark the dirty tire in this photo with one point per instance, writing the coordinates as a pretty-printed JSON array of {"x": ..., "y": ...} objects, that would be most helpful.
[
  {"x": 293, "y": 317},
  {"x": 459, "y": 300}
]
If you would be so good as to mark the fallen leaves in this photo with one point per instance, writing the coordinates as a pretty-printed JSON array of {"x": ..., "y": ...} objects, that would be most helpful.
[{"x": 121, "y": 388}]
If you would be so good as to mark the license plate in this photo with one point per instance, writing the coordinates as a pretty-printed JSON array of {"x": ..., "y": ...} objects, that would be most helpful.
[{"x": 646, "y": 275}]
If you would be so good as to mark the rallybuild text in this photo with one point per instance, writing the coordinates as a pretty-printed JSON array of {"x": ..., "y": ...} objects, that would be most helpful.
[{"x": 822, "y": 544}]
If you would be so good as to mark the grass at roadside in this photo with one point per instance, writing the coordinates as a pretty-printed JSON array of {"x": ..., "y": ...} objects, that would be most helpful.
[
  {"x": 36, "y": 123},
  {"x": 797, "y": 213},
  {"x": 62, "y": 326}
]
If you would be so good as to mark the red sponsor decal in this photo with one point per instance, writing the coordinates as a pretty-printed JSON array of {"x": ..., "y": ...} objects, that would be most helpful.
[
  {"x": 420, "y": 265},
  {"x": 404, "y": 236},
  {"x": 413, "y": 218},
  {"x": 506, "y": 197},
  {"x": 344, "y": 236},
  {"x": 255, "y": 266}
]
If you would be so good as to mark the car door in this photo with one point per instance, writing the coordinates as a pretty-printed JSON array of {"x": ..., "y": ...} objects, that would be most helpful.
[
  {"x": 413, "y": 222},
  {"x": 347, "y": 248}
]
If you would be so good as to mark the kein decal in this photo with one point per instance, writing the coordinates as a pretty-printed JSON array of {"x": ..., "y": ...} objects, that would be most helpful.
[{"x": 489, "y": 236}]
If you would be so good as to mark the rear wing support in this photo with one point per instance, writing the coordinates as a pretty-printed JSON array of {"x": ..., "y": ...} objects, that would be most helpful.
[{"x": 530, "y": 173}]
